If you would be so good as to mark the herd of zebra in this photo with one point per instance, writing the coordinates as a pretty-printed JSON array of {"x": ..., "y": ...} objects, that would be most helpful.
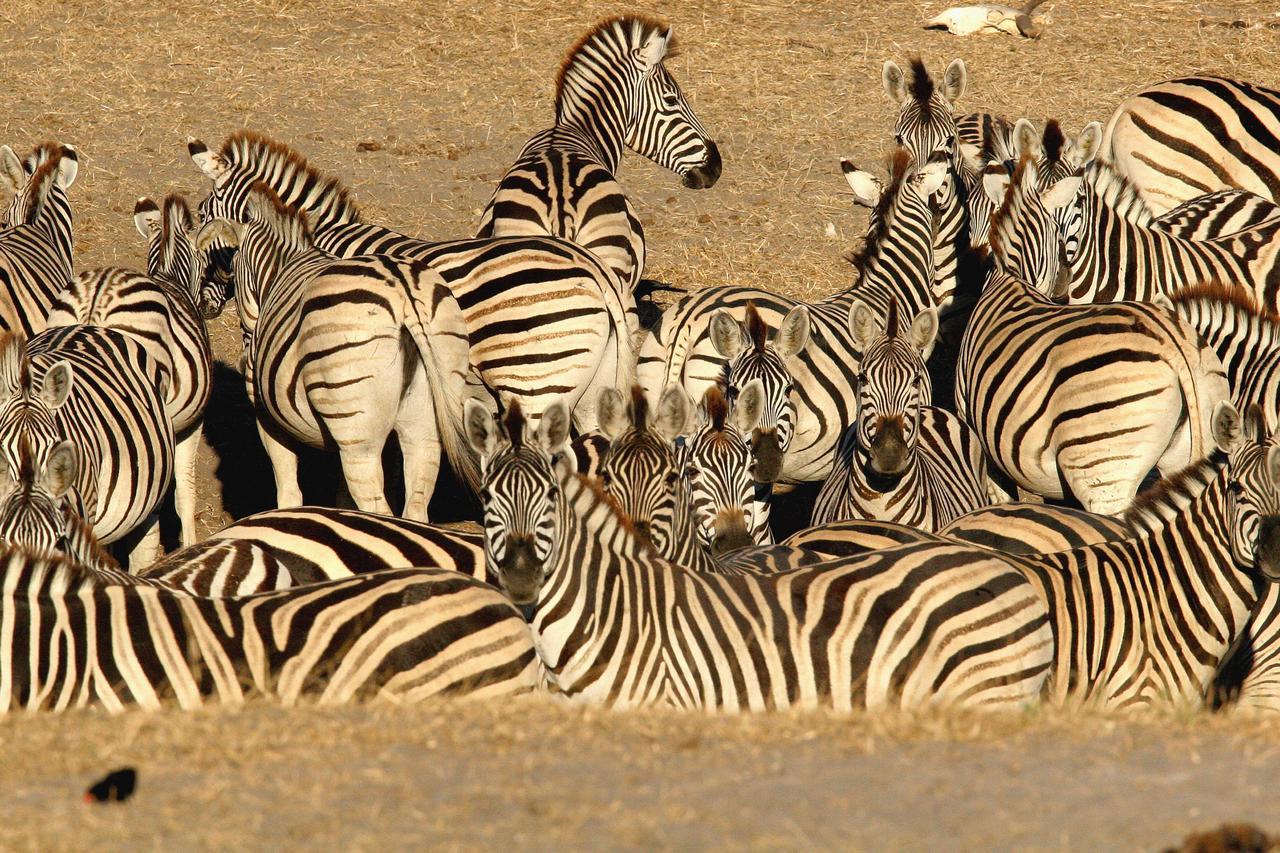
[{"x": 1041, "y": 416}]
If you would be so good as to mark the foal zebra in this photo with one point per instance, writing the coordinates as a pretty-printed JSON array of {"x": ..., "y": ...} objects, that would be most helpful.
[
  {"x": 617, "y": 625},
  {"x": 1179, "y": 139},
  {"x": 342, "y": 352},
  {"x": 1079, "y": 400},
  {"x": 158, "y": 311},
  {"x": 101, "y": 390},
  {"x": 613, "y": 91},
  {"x": 903, "y": 460},
  {"x": 574, "y": 344},
  {"x": 71, "y": 639},
  {"x": 35, "y": 234}
]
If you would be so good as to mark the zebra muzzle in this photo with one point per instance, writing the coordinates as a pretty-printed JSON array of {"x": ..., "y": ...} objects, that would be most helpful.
[
  {"x": 730, "y": 531},
  {"x": 705, "y": 176},
  {"x": 519, "y": 571},
  {"x": 1268, "y": 547},
  {"x": 767, "y": 452},
  {"x": 888, "y": 450}
]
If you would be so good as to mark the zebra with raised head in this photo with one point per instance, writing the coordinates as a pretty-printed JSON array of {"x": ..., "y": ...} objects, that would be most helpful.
[
  {"x": 903, "y": 460},
  {"x": 323, "y": 374},
  {"x": 613, "y": 92},
  {"x": 897, "y": 263},
  {"x": 618, "y": 625},
  {"x": 159, "y": 312},
  {"x": 100, "y": 389},
  {"x": 1193, "y": 135},
  {"x": 1080, "y": 400},
  {"x": 35, "y": 234},
  {"x": 577, "y": 341},
  {"x": 71, "y": 637}
]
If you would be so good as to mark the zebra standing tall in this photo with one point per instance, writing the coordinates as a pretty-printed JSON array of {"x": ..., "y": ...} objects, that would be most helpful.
[
  {"x": 1193, "y": 135},
  {"x": 158, "y": 311},
  {"x": 574, "y": 344},
  {"x": 616, "y": 625},
  {"x": 613, "y": 91},
  {"x": 1080, "y": 400},
  {"x": 339, "y": 353},
  {"x": 35, "y": 234},
  {"x": 903, "y": 460},
  {"x": 101, "y": 390}
]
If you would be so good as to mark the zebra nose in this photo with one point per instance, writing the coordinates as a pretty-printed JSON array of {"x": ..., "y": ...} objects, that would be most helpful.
[
  {"x": 888, "y": 448},
  {"x": 1268, "y": 549},
  {"x": 705, "y": 176},
  {"x": 519, "y": 572},
  {"x": 730, "y": 531},
  {"x": 643, "y": 530},
  {"x": 767, "y": 451}
]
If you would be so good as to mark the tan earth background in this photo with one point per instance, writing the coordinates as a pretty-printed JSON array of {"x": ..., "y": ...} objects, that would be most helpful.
[{"x": 420, "y": 107}]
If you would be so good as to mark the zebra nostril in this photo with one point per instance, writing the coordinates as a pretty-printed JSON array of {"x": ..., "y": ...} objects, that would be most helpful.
[{"x": 705, "y": 176}]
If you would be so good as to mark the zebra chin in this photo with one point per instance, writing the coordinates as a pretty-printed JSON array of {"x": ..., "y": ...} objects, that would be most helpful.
[
  {"x": 705, "y": 176},
  {"x": 520, "y": 574}
]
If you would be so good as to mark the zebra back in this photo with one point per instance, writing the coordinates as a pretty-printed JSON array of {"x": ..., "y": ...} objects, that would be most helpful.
[{"x": 35, "y": 234}]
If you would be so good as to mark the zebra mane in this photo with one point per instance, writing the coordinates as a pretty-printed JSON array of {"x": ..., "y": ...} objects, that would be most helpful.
[
  {"x": 101, "y": 565},
  {"x": 892, "y": 321},
  {"x": 716, "y": 406},
  {"x": 46, "y": 152},
  {"x": 1005, "y": 218},
  {"x": 15, "y": 367},
  {"x": 513, "y": 422},
  {"x": 613, "y": 513},
  {"x": 1226, "y": 295},
  {"x": 1114, "y": 190},
  {"x": 757, "y": 329},
  {"x": 1053, "y": 141},
  {"x": 899, "y": 162},
  {"x": 175, "y": 214},
  {"x": 922, "y": 88},
  {"x": 639, "y": 408},
  {"x": 612, "y": 36},
  {"x": 252, "y": 152},
  {"x": 47, "y": 158},
  {"x": 288, "y": 224},
  {"x": 1167, "y": 498}
]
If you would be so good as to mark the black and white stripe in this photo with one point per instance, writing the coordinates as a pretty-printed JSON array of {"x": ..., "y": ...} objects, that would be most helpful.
[
  {"x": 35, "y": 234},
  {"x": 613, "y": 92}
]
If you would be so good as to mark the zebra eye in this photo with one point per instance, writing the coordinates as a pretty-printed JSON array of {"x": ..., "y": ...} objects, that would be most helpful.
[
  {"x": 949, "y": 142},
  {"x": 671, "y": 478},
  {"x": 1236, "y": 488},
  {"x": 671, "y": 100},
  {"x": 897, "y": 138},
  {"x": 553, "y": 493},
  {"x": 485, "y": 496}
]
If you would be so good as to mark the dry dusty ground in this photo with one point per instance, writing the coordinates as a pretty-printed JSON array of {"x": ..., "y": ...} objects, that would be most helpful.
[{"x": 420, "y": 106}]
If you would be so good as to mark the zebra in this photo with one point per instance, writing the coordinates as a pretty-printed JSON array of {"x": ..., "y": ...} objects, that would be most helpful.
[
  {"x": 35, "y": 234},
  {"x": 613, "y": 92},
  {"x": 322, "y": 374},
  {"x": 281, "y": 548},
  {"x": 575, "y": 343},
  {"x": 1193, "y": 135},
  {"x": 74, "y": 639},
  {"x": 897, "y": 262},
  {"x": 160, "y": 314},
  {"x": 1114, "y": 249},
  {"x": 1082, "y": 400},
  {"x": 617, "y": 625},
  {"x": 903, "y": 460},
  {"x": 101, "y": 390}
]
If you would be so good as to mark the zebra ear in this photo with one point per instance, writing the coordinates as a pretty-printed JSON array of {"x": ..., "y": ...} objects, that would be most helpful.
[
  {"x": 674, "y": 408},
  {"x": 1225, "y": 426},
  {"x": 1087, "y": 144},
  {"x": 146, "y": 218},
  {"x": 995, "y": 183},
  {"x": 864, "y": 325},
  {"x": 654, "y": 49},
  {"x": 1163, "y": 300},
  {"x": 56, "y": 387},
  {"x": 866, "y": 187},
  {"x": 11, "y": 169},
  {"x": 924, "y": 331},
  {"x": 13, "y": 350},
  {"x": 726, "y": 334},
  {"x": 214, "y": 167},
  {"x": 1255, "y": 425},
  {"x": 611, "y": 415},
  {"x": 553, "y": 427},
  {"x": 482, "y": 430},
  {"x": 68, "y": 166},
  {"x": 793, "y": 333},
  {"x": 61, "y": 468},
  {"x": 749, "y": 407},
  {"x": 954, "y": 80},
  {"x": 1026, "y": 140},
  {"x": 1061, "y": 194},
  {"x": 895, "y": 84},
  {"x": 932, "y": 176},
  {"x": 218, "y": 229}
]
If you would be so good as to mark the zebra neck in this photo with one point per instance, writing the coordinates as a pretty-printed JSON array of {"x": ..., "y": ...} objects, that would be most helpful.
[
  {"x": 600, "y": 117},
  {"x": 575, "y": 139}
]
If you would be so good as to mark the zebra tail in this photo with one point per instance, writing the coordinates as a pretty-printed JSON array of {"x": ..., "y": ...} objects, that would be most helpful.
[
  {"x": 439, "y": 329},
  {"x": 1204, "y": 382}
]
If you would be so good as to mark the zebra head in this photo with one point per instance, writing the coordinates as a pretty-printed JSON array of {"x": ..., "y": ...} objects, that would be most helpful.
[
  {"x": 520, "y": 490},
  {"x": 32, "y": 497},
  {"x": 614, "y": 83},
  {"x": 717, "y": 465},
  {"x": 640, "y": 470},
  {"x": 1057, "y": 156},
  {"x": 926, "y": 124},
  {"x": 892, "y": 384},
  {"x": 1253, "y": 494},
  {"x": 170, "y": 231},
  {"x": 29, "y": 403},
  {"x": 750, "y": 355},
  {"x": 39, "y": 184},
  {"x": 1024, "y": 238}
]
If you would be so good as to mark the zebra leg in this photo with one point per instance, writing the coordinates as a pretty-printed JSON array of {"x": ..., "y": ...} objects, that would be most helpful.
[
  {"x": 284, "y": 463},
  {"x": 148, "y": 549},
  {"x": 419, "y": 445},
  {"x": 184, "y": 481}
]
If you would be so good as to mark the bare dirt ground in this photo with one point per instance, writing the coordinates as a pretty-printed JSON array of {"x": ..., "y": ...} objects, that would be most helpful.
[{"x": 420, "y": 106}]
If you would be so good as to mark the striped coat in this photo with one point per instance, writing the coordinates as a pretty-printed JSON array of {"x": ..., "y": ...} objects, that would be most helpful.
[{"x": 35, "y": 234}]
